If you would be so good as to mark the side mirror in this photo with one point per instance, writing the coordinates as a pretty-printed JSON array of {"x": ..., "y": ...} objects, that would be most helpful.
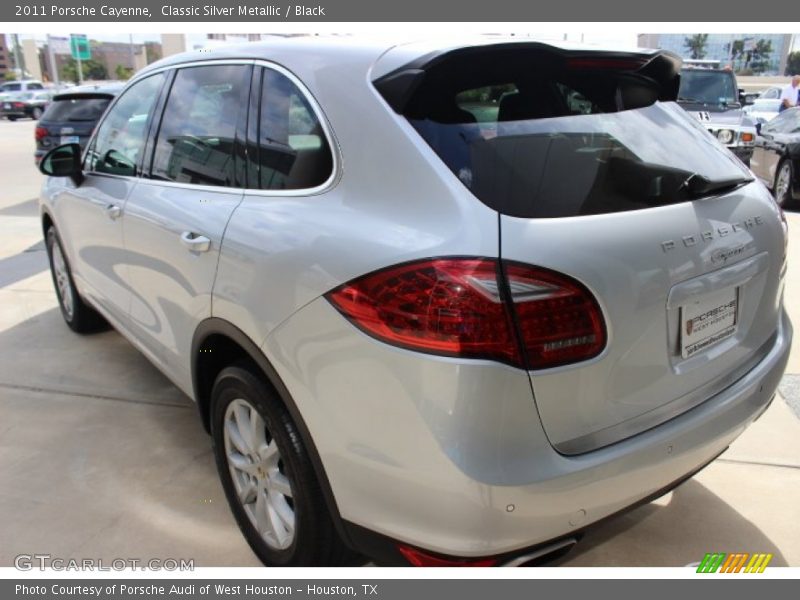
[
  {"x": 745, "y": 99},
  {"x": 63, "y": 161}
]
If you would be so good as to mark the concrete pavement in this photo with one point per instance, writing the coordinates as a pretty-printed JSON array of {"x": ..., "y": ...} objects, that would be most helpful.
[{"x": 100, "y": 456}]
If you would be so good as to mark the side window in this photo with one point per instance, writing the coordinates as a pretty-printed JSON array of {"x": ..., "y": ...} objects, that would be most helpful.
[
  {"x": 196, "y": 139},
  {"x": 35, "y": 86},
  {"x": 120, "y": 138},
  {"x": 293, "y": 151}
]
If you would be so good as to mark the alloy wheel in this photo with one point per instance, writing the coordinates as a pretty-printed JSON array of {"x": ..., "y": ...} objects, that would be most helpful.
[
  {"x": 258, "y": 474},
  {"x": 63, "y": 283},
  {"x": 783, "y": 183}
]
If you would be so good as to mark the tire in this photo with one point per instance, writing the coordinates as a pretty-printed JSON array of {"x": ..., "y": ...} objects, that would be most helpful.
[
  {"x": 273, "y": 476},
  {"x": 36, "y": 114},
  {"x": 12, "y": 118},
  {"x": 79, "y": 316},
  {"x": 783, "y": 184}
]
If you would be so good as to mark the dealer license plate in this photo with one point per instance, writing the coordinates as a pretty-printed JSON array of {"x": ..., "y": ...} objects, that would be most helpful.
[
  {"x": 7, "y": 106},
  {"x": 708, "y": 321},
  {"x": 70, "y": 139}
]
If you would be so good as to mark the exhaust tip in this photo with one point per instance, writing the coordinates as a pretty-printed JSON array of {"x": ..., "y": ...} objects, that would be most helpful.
[{"x": 543, "y": 555}]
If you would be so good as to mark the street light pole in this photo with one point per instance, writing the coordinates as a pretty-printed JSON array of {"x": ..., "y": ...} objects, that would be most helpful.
[{"x": 133, "y": 54}]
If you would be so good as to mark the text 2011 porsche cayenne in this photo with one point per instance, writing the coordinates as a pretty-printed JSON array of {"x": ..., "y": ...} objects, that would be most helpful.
[{"x": 438, "y": 303}]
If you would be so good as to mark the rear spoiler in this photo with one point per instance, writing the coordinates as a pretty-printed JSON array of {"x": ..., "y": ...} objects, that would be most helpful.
[{"x": 658, "y": 68}]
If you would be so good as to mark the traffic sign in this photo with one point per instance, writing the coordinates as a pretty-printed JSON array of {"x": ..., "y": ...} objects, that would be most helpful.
[{"x": 79, "y": 46}]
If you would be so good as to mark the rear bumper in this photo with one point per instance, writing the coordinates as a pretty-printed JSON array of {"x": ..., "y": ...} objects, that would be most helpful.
[{"x": 450, "y": 456}]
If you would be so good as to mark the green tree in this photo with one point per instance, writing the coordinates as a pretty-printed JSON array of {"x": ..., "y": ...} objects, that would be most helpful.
[
  {"x": 792, "y": 64},
  {"x": 123, "y": 73},
  {"x": 696, "y": 45},
  {"x": 758, "y": 58},
  {"x": 10, "y": 76},
  {"x": 735, "y": 50},
  {"x": 92, "y": 70}
]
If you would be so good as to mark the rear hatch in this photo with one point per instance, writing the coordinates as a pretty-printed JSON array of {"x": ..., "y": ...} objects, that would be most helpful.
[
  {"x": 70, "y": 118},
  {"x": 597, "y": 174}
]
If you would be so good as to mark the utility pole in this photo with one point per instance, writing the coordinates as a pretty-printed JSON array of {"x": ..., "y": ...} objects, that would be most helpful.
[{"x": 19, "y": 62}]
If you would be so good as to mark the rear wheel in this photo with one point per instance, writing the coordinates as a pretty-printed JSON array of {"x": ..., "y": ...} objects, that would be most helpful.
[
  {"x": 783, "y": 184},
  {"x": 12, "y": 118},
  {"x": 267, "y": 475},
  {"x": 78, "y": 315},
  {"x": 36, "y": 114}
]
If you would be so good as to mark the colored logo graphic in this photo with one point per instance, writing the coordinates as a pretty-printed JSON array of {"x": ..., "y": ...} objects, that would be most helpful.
[{"x": 739, "y": 562}]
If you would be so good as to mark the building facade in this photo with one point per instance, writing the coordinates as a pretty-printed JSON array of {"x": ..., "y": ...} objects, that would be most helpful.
[
  {"x": 5, "y": 59},
  {"x": 744, "y": 52}
]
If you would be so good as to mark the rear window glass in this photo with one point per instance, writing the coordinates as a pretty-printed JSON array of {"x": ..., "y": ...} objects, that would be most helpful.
[
  {"x": 76, "y": 109},
  {"x": 533, "y": 140}
]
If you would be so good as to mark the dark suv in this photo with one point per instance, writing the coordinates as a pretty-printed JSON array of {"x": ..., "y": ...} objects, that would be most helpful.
[
  {"x": 713, "y": 97},
  {"x": 71, "y": 116}
]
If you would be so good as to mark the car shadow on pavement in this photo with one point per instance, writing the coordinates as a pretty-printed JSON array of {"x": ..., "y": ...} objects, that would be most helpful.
[
  {"x": 27, "y": 263},
  {"x": 100, "y": 455},
  {"x": 674, "y": 531},
  {"x": 29, "y": 208}
]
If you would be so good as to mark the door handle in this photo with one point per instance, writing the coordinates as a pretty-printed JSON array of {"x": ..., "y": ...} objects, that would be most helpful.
[
  {"x": 195, "y": 242},
  {"x": 113, "y": 211}
]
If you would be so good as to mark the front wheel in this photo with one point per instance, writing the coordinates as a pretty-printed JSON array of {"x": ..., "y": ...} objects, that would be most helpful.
[
  {"x": 79, "y": 316},
  {"x": 783, "y": 184},
  {"x": 267, "y": 475}
]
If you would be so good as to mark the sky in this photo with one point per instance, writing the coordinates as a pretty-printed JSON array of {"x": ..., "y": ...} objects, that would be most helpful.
[{"x": 194, "y": 39}]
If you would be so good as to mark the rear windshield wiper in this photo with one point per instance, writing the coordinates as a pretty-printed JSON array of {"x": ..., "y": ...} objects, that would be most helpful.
[{"x": 698, "y": 186}]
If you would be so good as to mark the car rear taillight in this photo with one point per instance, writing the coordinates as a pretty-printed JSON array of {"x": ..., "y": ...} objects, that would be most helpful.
[
  {"x": 18, "y": 105},
  {"x": 466, "y": 307},
  {"x": 40, "y": 133},
  {"x": 418, "y": 558},
  {"x": 559, "y": 320},
  {"x": 442, "y": 306}
]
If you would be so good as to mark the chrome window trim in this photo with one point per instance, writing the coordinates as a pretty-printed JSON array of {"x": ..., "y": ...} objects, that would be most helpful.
[{"x": 333, "y": 142}]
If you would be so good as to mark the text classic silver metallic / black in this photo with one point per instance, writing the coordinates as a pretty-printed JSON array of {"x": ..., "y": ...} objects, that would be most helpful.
[{"x": 441, "y": 303}]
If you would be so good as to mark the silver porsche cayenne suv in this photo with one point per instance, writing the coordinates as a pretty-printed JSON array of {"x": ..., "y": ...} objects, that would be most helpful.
[{"x": 438, "y": 303}]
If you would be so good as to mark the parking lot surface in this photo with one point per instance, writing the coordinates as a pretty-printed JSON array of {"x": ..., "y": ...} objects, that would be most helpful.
[{"x": 102, "y": 457}]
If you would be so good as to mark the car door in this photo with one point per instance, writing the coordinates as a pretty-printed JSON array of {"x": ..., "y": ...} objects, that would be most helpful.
[
  {"x": 90, "y": 216},
  {"x": 176, "y": 217}
]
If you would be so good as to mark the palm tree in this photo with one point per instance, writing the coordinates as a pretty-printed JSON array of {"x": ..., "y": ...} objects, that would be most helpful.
[{"x": 696, "y": 45}]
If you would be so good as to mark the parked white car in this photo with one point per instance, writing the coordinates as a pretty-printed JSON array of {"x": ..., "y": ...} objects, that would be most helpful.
[{"x": 763, "y": 110}]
